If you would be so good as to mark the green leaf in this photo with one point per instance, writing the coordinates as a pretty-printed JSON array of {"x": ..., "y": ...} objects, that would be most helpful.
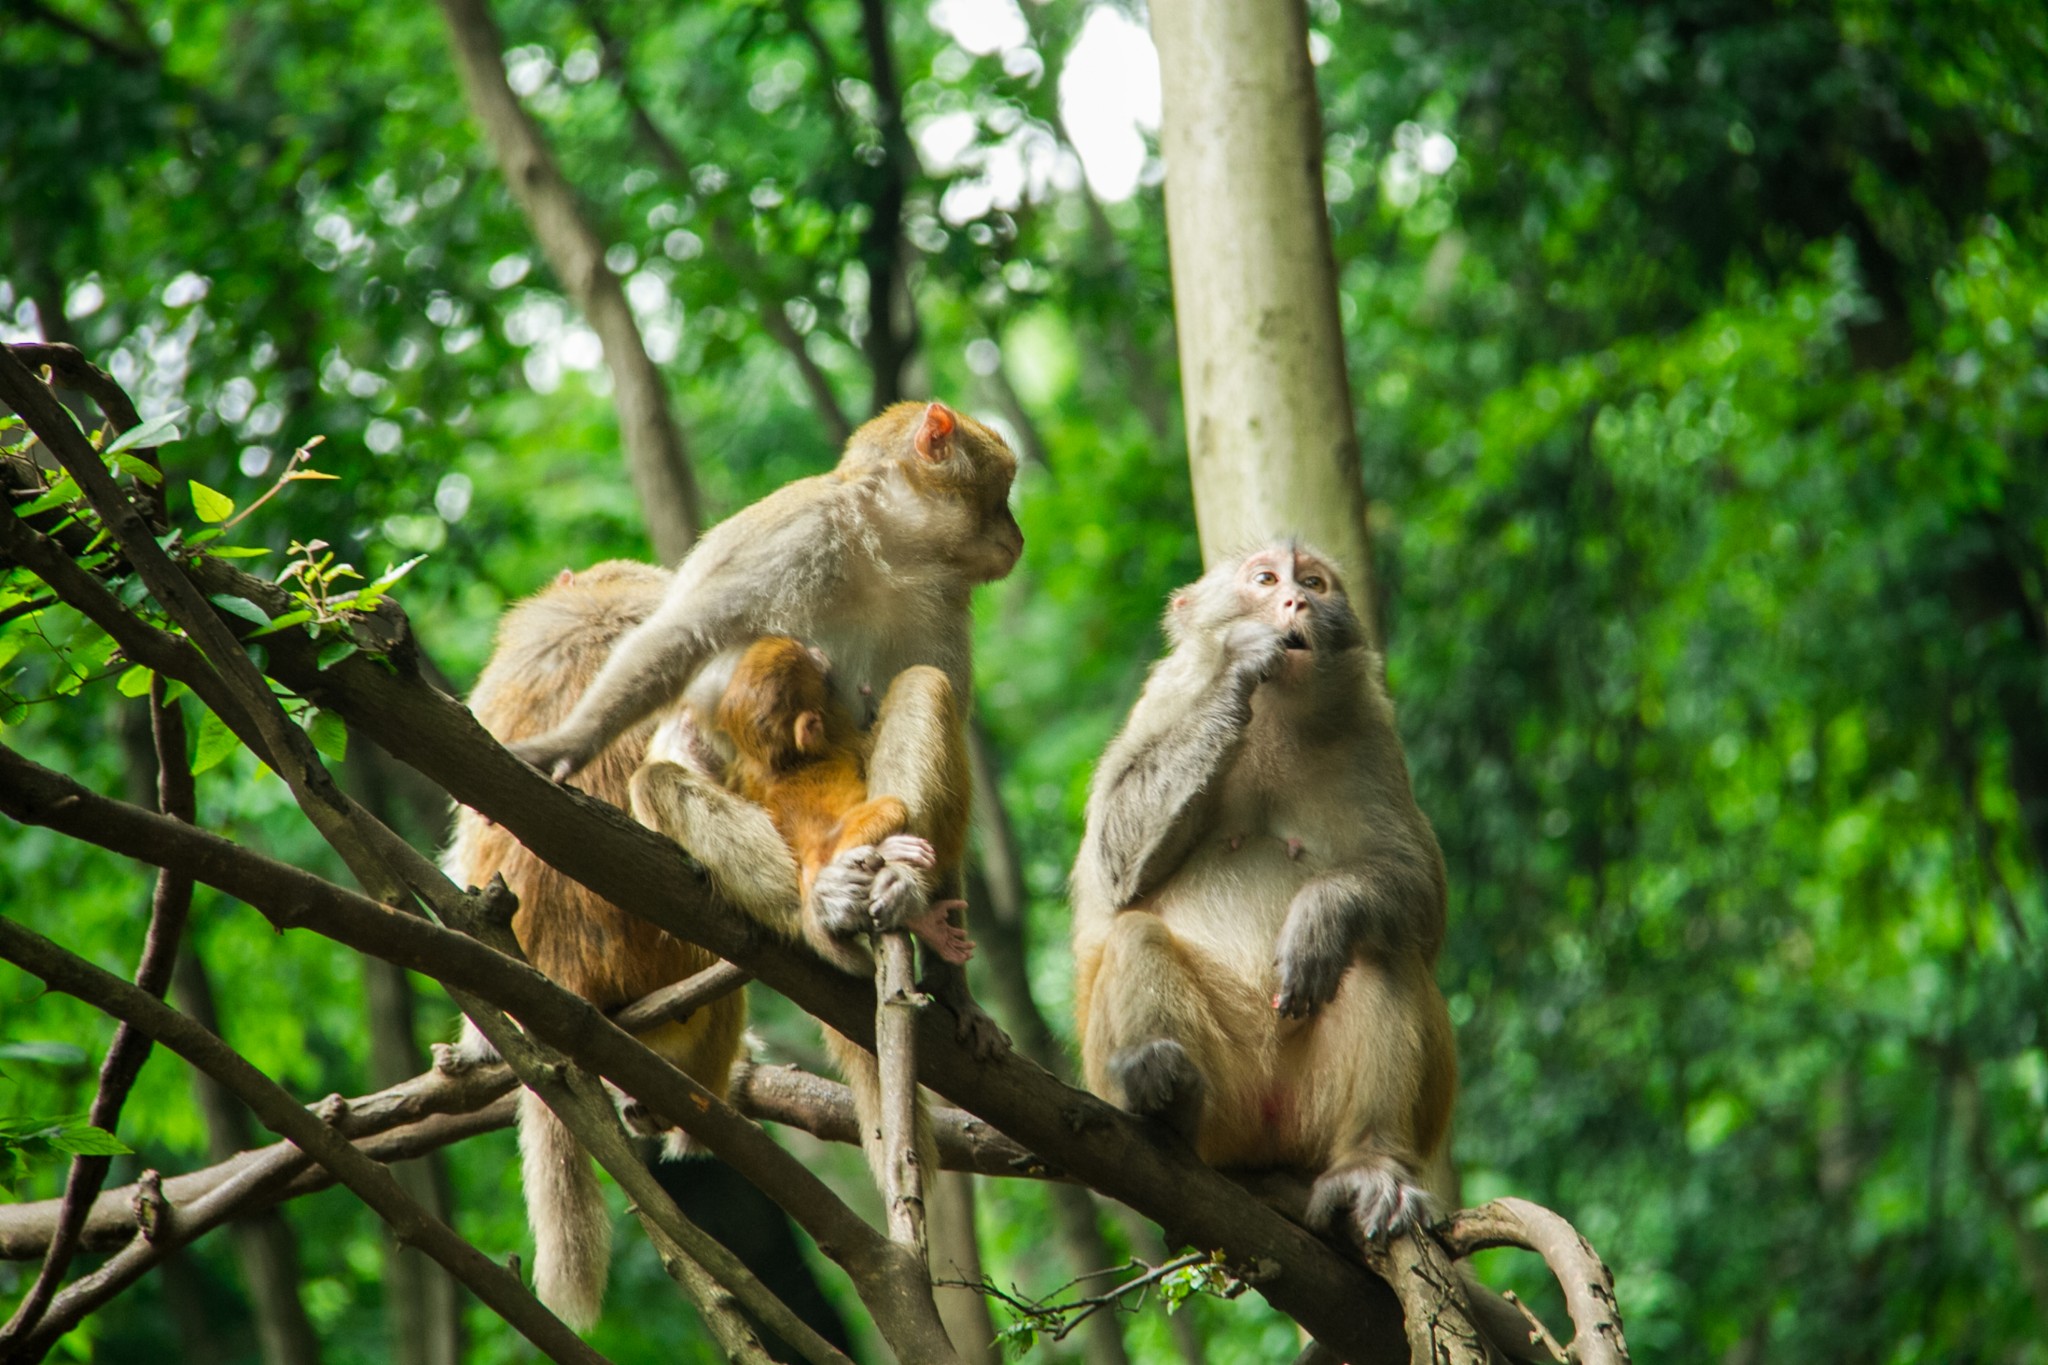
[
  {"x": 215, "y": 743},
  {"x": 157, "y": 431},
  {"x": 236, "y": 551},
  {"x": 290, "y": 618},
  {"x": 139, "y": 468},
  {"x": 210, "y": 505},
  {"x": 86, "y": 1140},
  {"x": 329, "y": 734},
  {"x": 333, "y": 653},
  {"x": 174, "y": 690},
  {"x": 240, "y": 606},
  {"x": 63, "y": 491},
  {"x": 43, "y": 1051},
  {"x": 210, "y": 533},
  {"x": 135, "y": 682}
]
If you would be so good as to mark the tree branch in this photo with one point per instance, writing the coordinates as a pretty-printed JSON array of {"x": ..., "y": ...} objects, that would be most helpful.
[
  {"x": 897, "y": 1002},
  {"x": 376, "y": 1186},
  {"x": 1587, "y": 1283},
  {"x": 169, "y": 905}
]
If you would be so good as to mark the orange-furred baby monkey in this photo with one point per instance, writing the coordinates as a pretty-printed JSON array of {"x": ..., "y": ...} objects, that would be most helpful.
[
  {"x": 801, "y": 757},
  {"x": 799, "y": 754}
]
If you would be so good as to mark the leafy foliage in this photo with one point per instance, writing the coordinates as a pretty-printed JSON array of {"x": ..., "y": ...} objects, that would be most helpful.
[{"x": 1701, "y": 358}]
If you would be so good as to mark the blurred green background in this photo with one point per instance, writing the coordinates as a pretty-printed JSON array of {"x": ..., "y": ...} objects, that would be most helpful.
[{"x": 1700, "y": 353}]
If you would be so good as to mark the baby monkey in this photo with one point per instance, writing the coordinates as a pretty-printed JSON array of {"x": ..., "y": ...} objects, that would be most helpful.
[{"x": 799, "y": 754}]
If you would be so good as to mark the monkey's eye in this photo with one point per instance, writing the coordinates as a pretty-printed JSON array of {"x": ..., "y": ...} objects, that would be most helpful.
[
  {"x": 1314, "y": 583},
  {"x": 1265, "y": 578}
]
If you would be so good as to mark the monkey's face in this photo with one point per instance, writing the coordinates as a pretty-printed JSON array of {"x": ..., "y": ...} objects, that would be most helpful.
[
  {"x": 962, "y": 472},
  {"x": 1286, "y": 586}
]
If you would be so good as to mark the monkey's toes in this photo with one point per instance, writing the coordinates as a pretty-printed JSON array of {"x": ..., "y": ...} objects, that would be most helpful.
[
  {"x": 981, "y": 1035},
  {"x": 1159, "y": 1080},
  {"x": 1375, "y": 1198},
  {"x": 896, "y": 898},
  {"x": 907, "y": 849}
]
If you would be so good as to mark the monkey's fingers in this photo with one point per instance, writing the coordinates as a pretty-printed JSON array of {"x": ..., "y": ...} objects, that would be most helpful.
[
  {"x": 941, "y": 935},
  {"x": 907, "y": 849}
]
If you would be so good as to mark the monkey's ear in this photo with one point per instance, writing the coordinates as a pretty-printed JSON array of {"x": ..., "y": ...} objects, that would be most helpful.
[
  {"x": 809, "y": 732},
  {"x": 934, "y": 439},
  {"x": 565, "y": 578}
]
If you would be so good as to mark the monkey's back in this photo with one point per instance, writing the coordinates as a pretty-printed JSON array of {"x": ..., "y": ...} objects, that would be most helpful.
[{"x": 548, "y": 648}]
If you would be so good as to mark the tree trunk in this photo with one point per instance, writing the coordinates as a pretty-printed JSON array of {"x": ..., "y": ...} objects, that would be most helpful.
[
  {"x": 1271, "y": 442},
  {"x": 655, "y": 455}
]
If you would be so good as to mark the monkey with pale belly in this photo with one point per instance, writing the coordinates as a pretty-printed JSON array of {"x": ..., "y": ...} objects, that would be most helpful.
[
  {"x": 605, "y": 675},
  {"x": 1259, "y": 903}
]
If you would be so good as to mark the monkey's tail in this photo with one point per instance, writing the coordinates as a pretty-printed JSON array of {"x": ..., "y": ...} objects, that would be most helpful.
[
  {"x": 863, "y": 1076},
  {"x": 572, "y": 1232}
]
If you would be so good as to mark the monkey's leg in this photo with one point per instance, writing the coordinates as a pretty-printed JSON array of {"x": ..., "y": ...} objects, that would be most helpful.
[
  {"x": 920, "y": 755},
  {"x": 733, "y": 838},
  {"x": 1385, "y": 1067},
  {"x": 1152, "y": 1038}
]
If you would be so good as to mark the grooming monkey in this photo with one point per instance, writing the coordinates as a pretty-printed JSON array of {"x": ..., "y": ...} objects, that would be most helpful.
[
  {"x": 801, "y": 757},
  {"x": 1259, "y": 904},
  {"x": 876, "y": 561}
]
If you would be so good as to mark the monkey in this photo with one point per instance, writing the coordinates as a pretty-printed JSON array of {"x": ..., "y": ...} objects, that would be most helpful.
[
  {"x": 1259, "y": 903},
  {"x": 548, "y": 648},
  {"x": 872, "y": 562},
  {"x": 876, "y": 560},
  {"x": 800, "y": 756}
]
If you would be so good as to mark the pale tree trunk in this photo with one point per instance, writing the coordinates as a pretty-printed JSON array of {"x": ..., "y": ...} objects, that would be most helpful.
[
  {"x": 1271, "y": 442},
  {"x": 655, "y": 455}
]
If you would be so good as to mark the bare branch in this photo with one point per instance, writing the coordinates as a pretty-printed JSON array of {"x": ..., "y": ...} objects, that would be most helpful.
[
  {"x": 897, "y": 1002},
  {"x": 680, "y": 1001},
  {"x": 714, "y": 1279},
  {"x": 1587, "y": 1283},
  {"x": 376, "y": 1186}
]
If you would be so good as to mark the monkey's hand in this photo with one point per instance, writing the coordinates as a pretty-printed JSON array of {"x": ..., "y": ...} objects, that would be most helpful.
[
  {"x": 840, "y": 895},
  {"x": 1309, "y": 963},
  {"x": 561, "y": 755},
  {"x": 1253, "y": 651}
]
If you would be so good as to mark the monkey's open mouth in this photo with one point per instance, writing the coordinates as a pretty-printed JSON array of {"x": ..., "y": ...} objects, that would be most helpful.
[{"x": 1296, "y": 641}]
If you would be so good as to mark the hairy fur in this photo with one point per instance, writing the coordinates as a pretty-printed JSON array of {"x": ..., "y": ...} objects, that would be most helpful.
[
  {"x": 548, "y": 648},
  {"x": 872, "y": 562},
  {"x": 1258, "y": 902}
]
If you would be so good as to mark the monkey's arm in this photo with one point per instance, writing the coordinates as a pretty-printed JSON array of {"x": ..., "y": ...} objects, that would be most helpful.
[
  {"x": 1388, "y": 904},
  {"x": 1147, "y": 808}
]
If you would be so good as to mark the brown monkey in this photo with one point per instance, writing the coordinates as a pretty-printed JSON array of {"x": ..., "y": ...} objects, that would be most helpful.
[
  {"x": 802, "y": 758},
  {"x": 874, "y": 563},
  {"x": 548, "y": 648},
  {"x": 1258, "y": 903}
]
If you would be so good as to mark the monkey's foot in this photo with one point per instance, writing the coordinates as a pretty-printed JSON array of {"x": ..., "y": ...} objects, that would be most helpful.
[
  {"x": 1159, "y": 1080},
  {"x": 896, "y": 899},
  {"x": 982, "y": 1036},
  {"x": 1375, "y": 1196},
  {"x": 940, "y": 934},
  {"x": 471, "y": 1051}
]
